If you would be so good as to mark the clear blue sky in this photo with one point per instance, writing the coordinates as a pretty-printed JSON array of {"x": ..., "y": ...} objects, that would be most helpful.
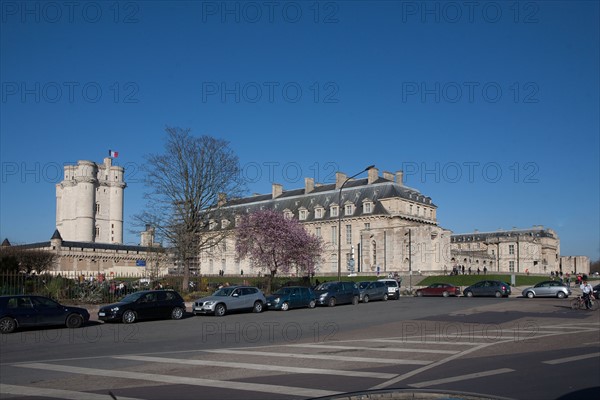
[{"x": 491, "y": 108}]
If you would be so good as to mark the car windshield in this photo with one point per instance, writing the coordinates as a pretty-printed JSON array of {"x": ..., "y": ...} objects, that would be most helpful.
[
  {"x": 326, "y": 286},
  {"x": 226, "y": 291},
  {"x": 132, "y": 297},
  {"x": 363, "y": 285},
  {"x": 282, "y": 291}
]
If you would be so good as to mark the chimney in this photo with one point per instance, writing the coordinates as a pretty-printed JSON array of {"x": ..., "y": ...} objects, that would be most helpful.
[
  {"x": 388, "y": 176},
  {"x": 222, "y": 199},
  {"x": 309, "y": 185},
  {"x": 277, "y": 190},
  {"x": 340, "y": 178},
  {"x": 400, "y": 178},
  {"x": 373, "y": 175}
]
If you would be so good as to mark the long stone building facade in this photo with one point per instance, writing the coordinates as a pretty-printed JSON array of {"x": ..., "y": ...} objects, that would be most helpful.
[{"x": 381, "y": 219}]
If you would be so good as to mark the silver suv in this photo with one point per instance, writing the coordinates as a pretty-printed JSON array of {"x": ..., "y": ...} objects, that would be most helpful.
[
  {"x": 393, "y": 288},
  {"x": 231, "y": 298}
]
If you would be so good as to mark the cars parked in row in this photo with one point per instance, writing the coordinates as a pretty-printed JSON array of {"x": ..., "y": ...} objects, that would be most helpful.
[
  {"x": 333, "y": 293},
  {"x": 393, "y": 288},
  {"x": 292, "y": 297},
  {"x": 488, "y": 288},
  {"x": 372, "y": 290},
  {"x": 547, "y": 289},
  {"x": 23, "y": 311},
  {"x": 231, "y": 298},
  {"x": 146, "y": 304},
  {"x": 439, "y": 289}
]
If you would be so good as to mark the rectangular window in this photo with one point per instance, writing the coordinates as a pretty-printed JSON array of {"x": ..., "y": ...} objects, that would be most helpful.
[
  {"x": 367, "y": 225},
  {"x": 368, "y": 207},
  {"x": 511, "y": 249},
  {"x": 334, "y": 235},
  {"x": 303, "y": 214},
  {"x": 349, "y": 209},
  {"x": 334, "y": 211},
  {"x": 318, "y": 231},
  {"x": 319, "y": 213},
  {"x": 511, "y": 266},
  {"x": 348, "y": 234}
]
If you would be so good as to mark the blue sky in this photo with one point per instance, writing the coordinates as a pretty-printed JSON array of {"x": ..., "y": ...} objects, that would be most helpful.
[{"x": 490, "y": 108}]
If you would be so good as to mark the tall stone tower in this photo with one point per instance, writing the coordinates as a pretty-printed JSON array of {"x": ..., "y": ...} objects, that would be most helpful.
[{"x": 89, "y": 202}]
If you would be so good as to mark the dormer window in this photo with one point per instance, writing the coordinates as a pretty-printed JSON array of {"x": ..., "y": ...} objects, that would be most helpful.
[
  {"x": 224, "y": 223},
  {"x": 368, "y": 207},
  {"x": 349, "y": 209},
  {"x": 303, "y": 214},
  {"x": 334, "y": 210},
  {"x": 319, "y": 212},
  {"x": 288, "y": 214}
]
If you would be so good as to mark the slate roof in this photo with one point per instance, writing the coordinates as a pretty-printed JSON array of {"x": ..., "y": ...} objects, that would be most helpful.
[
  {"x": 355, "y": 192},
  {"x": 480, "y": 236}
]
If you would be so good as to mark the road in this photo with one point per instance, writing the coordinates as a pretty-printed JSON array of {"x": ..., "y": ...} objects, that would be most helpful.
[{"x": 512, "y": 348}]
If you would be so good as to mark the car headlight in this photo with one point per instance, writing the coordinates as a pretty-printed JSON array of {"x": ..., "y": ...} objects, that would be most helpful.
[
  {"x": 209, "y": 303},
  {"x": 114, "y": 309},
  {"x": 323, "y": 295},
  {"x": 276, "y": 300}
]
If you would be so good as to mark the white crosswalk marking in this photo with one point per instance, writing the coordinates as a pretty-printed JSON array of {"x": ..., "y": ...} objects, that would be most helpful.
[{"x": 54, "y": 393}]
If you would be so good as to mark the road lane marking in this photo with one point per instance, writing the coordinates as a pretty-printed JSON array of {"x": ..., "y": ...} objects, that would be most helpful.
[
  {"x": 385, "y": 349},
  {"x": 182, "y": 380},
  {"x": 259, "y": 367},
  {"x": 54, "y": 393},
  {"x": 322, "y": 357},
  {"x": 426, "y": 342},
  {"x": 571, "y": 359},
  {"x": 461, "y": 378}
]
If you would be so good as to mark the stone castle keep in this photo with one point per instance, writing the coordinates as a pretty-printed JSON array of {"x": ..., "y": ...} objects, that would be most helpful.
[{"x": 89, "y": 202}]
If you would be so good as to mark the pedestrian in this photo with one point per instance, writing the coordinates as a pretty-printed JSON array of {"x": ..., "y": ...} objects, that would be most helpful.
[{"x": 485, "y": 270}]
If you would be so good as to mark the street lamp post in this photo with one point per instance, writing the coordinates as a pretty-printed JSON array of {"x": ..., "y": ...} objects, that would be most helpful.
[
  {"x": 340, "y": 220},
  {"x": 409, "y": 260}
]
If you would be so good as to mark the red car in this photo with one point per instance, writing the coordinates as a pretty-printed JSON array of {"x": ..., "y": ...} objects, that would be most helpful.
[{"x": 439, "y": 289}]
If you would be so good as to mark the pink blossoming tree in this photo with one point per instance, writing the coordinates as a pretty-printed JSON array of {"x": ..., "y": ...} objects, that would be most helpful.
[{"x": 274, "y": 243}]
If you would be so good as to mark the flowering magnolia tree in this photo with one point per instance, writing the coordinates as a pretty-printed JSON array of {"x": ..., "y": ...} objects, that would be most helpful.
[{"x": 274, "y": 244}]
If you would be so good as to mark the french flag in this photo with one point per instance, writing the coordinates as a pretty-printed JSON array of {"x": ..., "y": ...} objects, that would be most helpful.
[{"x": 113, "y": 154}]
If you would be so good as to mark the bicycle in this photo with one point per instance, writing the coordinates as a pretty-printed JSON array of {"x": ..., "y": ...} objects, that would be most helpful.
[{"x": 578, "y": 303}]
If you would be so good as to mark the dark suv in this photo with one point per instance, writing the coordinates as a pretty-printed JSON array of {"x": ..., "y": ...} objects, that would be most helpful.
[{"x": 332, "y": 293}]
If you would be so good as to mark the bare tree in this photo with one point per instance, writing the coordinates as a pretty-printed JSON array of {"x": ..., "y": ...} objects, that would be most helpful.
[
  {"x": 26, "y": 260},
  {"x": 187, "y": 184}
]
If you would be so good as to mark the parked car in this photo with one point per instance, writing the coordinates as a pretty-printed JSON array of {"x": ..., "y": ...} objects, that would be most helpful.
[
  {"x": 596, "y": 291},
  {"x": 146, "y": 304},
  {"x": 393, "y": 288},
  {"x": 548, "y": 289},
  {"x": 332, "y": 293},
  {"x": 292, "y": 297},
  {"x": 375, "y": 290},
  {"x": 231, "y": 298},
  {"x": 22, "y": 311},
  {"x": 439, "y": 289},
  {"x": 488, "y": 288}
]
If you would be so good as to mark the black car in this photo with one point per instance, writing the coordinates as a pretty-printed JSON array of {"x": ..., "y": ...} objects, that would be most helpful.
[
  {"x": 488, "y": 288},
  {"x": 332, "y": 293},
  {"x": 596, "y": 290},
  {"x": 21, "y": 311},
  {"x": 147, "y": 304}
]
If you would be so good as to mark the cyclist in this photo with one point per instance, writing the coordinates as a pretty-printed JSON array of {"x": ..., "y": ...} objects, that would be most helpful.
[{"x": 587, "y": 292}]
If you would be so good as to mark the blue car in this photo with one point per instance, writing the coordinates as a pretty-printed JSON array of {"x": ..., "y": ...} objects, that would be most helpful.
[
  {"x": 292, "y": 297},
  {"x": 22, "y": 311}
]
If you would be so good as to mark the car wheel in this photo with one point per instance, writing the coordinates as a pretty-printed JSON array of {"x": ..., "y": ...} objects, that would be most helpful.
[
  {"x": 8, "y": 325},
  {"x": 129, "y": 317},
  {"x": 530, "y": 295},
  {"x": 445, "y": 293},
  {"x": 74, "y": 321},
  {"x": 177, "y": 313},
  {"x": 385, "y": 297},
  {"x": 561, "y": 295},
  {"x": 312, "y": 304},
  {"x": 469, "y": 294},
  {"x": 258, "y": 307},
  {"x": 220, "y": 310},
  {"x": 355, "y": 300},
  {"x": 366, "y": 299},
  {"x": 285, "y": 306},
  {"x": 331, "y": 302},
  {"x": 498, "y": 294}
]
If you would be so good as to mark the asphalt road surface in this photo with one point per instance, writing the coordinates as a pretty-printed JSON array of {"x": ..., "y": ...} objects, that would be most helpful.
[{"x": 510, "y": 348}]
